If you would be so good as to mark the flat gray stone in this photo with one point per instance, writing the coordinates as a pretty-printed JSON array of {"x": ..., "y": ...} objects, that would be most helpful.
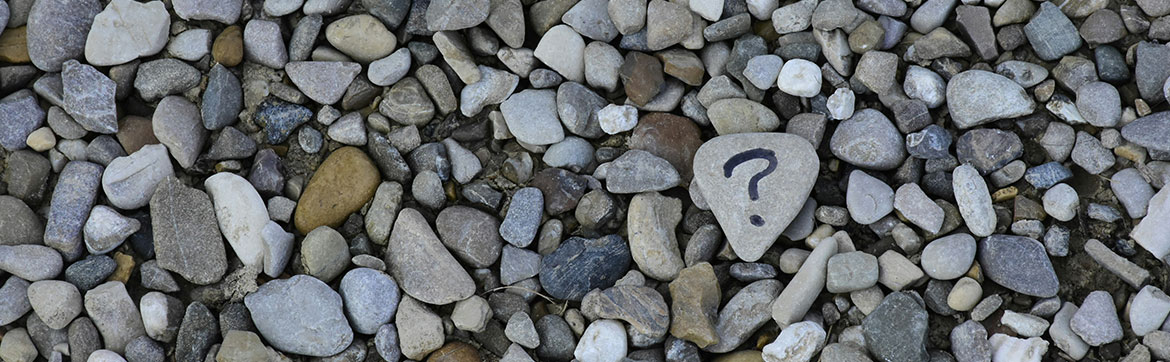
[
  {"x": 975, "y": 97},
  {"x": 89, "y": 97},
  {"x": 323, "y": 82},
  {"x": 1096, "y": 321},
  {"x": 74, "y": 196},
  {"x": 1051, "y": 33},
  {"x": 177, "y": 125},
  {"x": 869, "y": 140},
  {"x": 115, "y": 315},
  {"x": 20, "y": 115},
  {"x": 948, "y": 257},
  {"x": 868, "y": 199},
  {"x": 300, "y": 315},
  {"x": 1018, "y": 263},
  {"x": 186, "y": 236},
  {"x": 371, "y": 299},
  {"x": 422, "y": 265},
  {"x": 57, "y": 30}
]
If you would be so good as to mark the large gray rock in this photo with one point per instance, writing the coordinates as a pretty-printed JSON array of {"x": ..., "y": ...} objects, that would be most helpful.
[
  {"x": 20, "y": 115},
  {"x": 300, "y": 315},
  {"x": 127, "y": 30},
  {"x": 788, "y": 165},
  {"x": 1018, "y": 263},
  {"x": 222, "y": 100},
  {"x": 88, "y": 96},
  {"x": 74, "y": 196},
  {"x": 371, "y": 298},
  {"x": 323, "y": 82},
  {"x": 177, "y": 124},
  {"x": 896, "y": 330},
  {"x": 975, "y": 97},
  {"x": 57, "y": 30},
  {"x": 129, "y": 181},
  {"x": 186, "y": 236},
  {"x": 423, "y": 266},
  {"x": 20, "y": 224},
  {"x": 531, "y": 116},
  {"x": 115, "y": 315},
  {"x": 869, "y": 140},
  {"x": 1152, "y": 131},
  {"x": 1051, "y": 33}
]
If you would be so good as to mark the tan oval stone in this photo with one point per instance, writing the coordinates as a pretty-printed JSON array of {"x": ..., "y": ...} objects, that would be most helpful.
[
  {"x": 455, "y": 352},
  {"x": 228, "y": 48},
  {"x": 362, "y": 37},
  {"x": 342, "y": 185}
]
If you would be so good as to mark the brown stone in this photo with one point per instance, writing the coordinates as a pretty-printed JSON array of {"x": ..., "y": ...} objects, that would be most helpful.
[
  {"x": 14, "y": 46},
  {"x": 671, "y": 137},
  {"x": 695, "y": 305},
  {"x": 742, "y": 356},
  {"x": 228, "y": 48},
  {"x": 135, "y": 132},
  {"x": 684, "y": 65},
  {"x": 125, "y": 267},
  {"x": 642, "y": 76},
  {"x": 455, "y": 352},
  {"x": 342, "y": 185}
]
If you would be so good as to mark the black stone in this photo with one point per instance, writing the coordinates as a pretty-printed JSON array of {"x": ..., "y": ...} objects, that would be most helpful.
[
  {"x": 197, "y": 333},
  {"x": 580, "y": 265},
  {"x": 87, "y": 273}
]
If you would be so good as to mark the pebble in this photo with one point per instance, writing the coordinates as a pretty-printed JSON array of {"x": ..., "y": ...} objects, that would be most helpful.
[
  {"x": 1006, "y": 348},
  {"x": 868, "y": 198},
  {"x": 56, "y": 31},
  {"x": 129, "y": 181},
  {"x": 800, "y": 78},
  {"x": 738, "y": 115},
  {"x": 74, "y": 196},
  {"x": 422, "y": 266},
  {"x": 470, "y": 234},
  {"x": 1148, "y": 310},
  {"x": 1061, "y": 202},
  {"x": 523, "y": 217},
  {"x": 603, "y": 341},
  {"x": 344, "y": 182},
  {"x": 763, "y": 70},
  {"x": 695, "y": 304},
  {"x": 371, "y": 298},
  {"x": 1096, "y": 321},
  {"x": 1090, "y": 155},
  {"x": 112, "y": 40},
  {"x": 949, "y": 257},
  {"x": 222, "y": 11},
  {"x": 241, "y": 213},
  {"x": 798, "y": 342},
  {"x": 106, "y": 229},
  {"x": 913, "y": 204},
  {"x": 965, "y": 295},
  {"x": 851, "y": 271},
  {"x": 1018, "y": 263},
  {"x": 362, "y": 37},
  {"x": 638, "y": 171},
  {"x": 263, "y": 43},
  {"x": 23, "y": 226},
  {"x": 521, "y": 330},
  {"x": 518, "y": 264},
  {"x": 1099, "y": 103},
  {"x": 114, "y": 314},
  {"x": 1148, "y": 131},
  {"x": 667, "y": 23},
  {"x": 868, "y": 140},
  {"x": 628, "y": 16},
  {"x": 562, "y": 49},
  {"x": 642, "y": 307},
  {"x": 973, "y": 200},
  {"x": 1062, "y": 334},
  {"x": 896, "y": 330},
  {"x": 975, "y": 97},
  {"x": 494, "y": 87},
  {"x": 87, "y": 95},
  {"x": 472, "y": 314},
  {"x": 796, "y": 299},
  {"x": 300, "y": 315},
  {"x": 1051, "y": 33},
  {"x": 389, "y": 70},
  {"x": 177, "y": 125},
  {"x": 455, "y": 15},
  {"x": 1024, "y": 325},
  {"x": 579, "y": 265},
  {"x": 323, "y": 82},
  {"x": 532, "y": 117},
  {"x": 988, "y": 150}
]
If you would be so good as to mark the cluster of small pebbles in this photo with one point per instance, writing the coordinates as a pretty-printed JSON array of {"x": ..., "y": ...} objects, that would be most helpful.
[{"x": 584, "y": 180}]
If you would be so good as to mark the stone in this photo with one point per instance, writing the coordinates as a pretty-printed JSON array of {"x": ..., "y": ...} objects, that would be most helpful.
[
  {"x": 851, "y": 271},
  {"x": 562, "y": 49},
  {"x": 798, "y": 342},
  {"x": 73, "y": 197},
  {"x": 868, "y": 140},
  {"x": 738, "y": 115},
  {"x": 391, "y": 69},
  {"x": 1147, "y": 310},
  {"x": 471, "y": 314},
  {"x": 493, "y": 87},
  {"x": 318, "y": 329},
  {"x": 456, "y": 15},
  {"x": 868, "y": 198},
  {"x": 800, "y": 78},
  {"x": 424, "y": 268},
  {"x": 1018, "y": 263},
  {"x": 371, "y": 298},
  {"x": 55, "y": 302},
  {"x": 800, "y": 294},
  {"x": 114, "y": 314},
  {"x": 579, "y": 265},
  {"x": 523, "y": 217},
  {"x": 591, "y": 19},
  {"x": 896, "y": 330},
  {"x": 21, "y": 224},
  {"x": 988, "y": 149},
  {"x": 976, "y": 97},
  {"x": 745, "y": 312},
  {"x": 517, "y": 264},
  {"x": 1131, "y": 190},
  {"x": 457, "y": 55},
  {"x": 973, "y": 200},
  {"x": 1090, "y": 155},
  {"x": 57, "y": 31},
  {"x": 129, "y": 181},
  {"x": 642, "y": 307},
  {"x": 263, "y": 43},
  {"x": 695, "y": 303},
  {"x": 323, "y": 82},
  {"x": 362, "y": 37},
  {"x": 521, "y": 330},
  {"x": 1096, "y": 321},
  {"x": 14, "y": 299},
  {"x": 106, "y": 229},
  {"x": 763, "y": 70},
  {"x": 667, "y": 23},
  {"x": 642, "y": 76},
  {"x": 159, "y": 78},
  {"x": 913, "y": 204},
  {"x": 603, "y": 340},
  {"x": 344, "y": 182},
  {"x": 88, "y": 96},
  {"x": 20, "y": 116},
  {"x": 1147, "y": 131},
  {"x": 222, "y": 11},
  {"x": 949, "y": 257},
  {"x": 177, "y": 125},
  {"x": 628, "y": 16},
  {"x": 1061, "y": 202},
  {"x": 532, "y": 118},
  {"x": 241, "y": 213},
  {"x": 420, "y": 331},
  {"x": 470, "y": 234},
  {"x": 896, "y": 271},
  {"x": 127, "y": 30},
  {"x": 1051, "y": 33}
]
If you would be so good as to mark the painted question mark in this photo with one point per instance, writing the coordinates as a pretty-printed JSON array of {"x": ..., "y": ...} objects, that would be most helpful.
[{"x": 753, "y": 184}]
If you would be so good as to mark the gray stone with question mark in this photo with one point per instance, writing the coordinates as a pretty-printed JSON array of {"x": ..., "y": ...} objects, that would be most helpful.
[{"x": 755, "y": 184}]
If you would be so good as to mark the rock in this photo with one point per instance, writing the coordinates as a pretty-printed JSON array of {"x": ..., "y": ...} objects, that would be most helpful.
[
  {"x": 949, "y": 257},
  {"x": 532, "y": 118},
  {"x": 562, "y": 49},
  {"x": 114, "y": 314},
  {"x": 523, "y": 217},
  {"x": 973, "y": 200},
  {"x": 226, "y": 12},
  {"x": 1096, "y": 321},
  {"x": 800, "y": 78},
  {"x": 579, "y": 265},
  {"x": 74, "y": 195},
  {"x": 1018, "y": 263},
  {"x": 753, "y": 301},
  {"x": 324, "y": 253},
  {"x": 420, "y": 331},
  {"x": 642, "y": 307},
  {"x": 263, "y": 43},
  {"x": 738, "y": 115},
  {"x": 21, "y": 224},
  {"x": 1099, "y": 103},
  {"x": 14, "y": 299},
  {"x": 1149, "y": 131},
  {"x": 371, "y": 298},
  {"x": 391, "y": 69},
  {"x": 521, "y": 330},
  {"x": 896, "y": 330},
  {"x": 198, "y": 331},
  {"x": 457, "y": 55},
  {"x": 222, "y": 100},
  {"x": 113, "y": 40},
  {"x": 694, "y": 305},
  {"x": 868, "y": 198},
  {"x": 159, "y": 78},
  {"x": 493, "y": 87},
  {"x": 642, "y": 76},
  {"x": 300, "y": 315},
  {"x": 177, "y": 125},
  {"x": 425, "y": 269},
  {"x": 763, "y": 70},
  {"x": 787, "y": 189},
  {"x": 988, "y": 150},
  {"x": 798, "y": 297},
  {"x": 407, "y": 103},
  {"x": 667, "y": 23},
  {"x": 1051, "y": 33},
  {"x": 1091, "y": 155},
  {"x": 506, "y": 18},
  {"x": 1061, "y": 202},
  {"x": 57, "y": 31},
  {"x": 604, "y": 340},
  {"x": 976, "y": 97},
  {"x": 362, "y": 37},
  {"x": 868, "y": 140},
  {"x": 129, "y": 181},
  {"x": 88, "y": 96},
  {"x": 651, "y": 221},
  {"x": 228, "y": 46},
  {"x": 323, "y": 82},
  {"x": 638, "y": 171},
  {"x": 798, "y": 342},
  {"x": 456, "y": 15},
  {"x": 20, "y": 116},
  {"x": 591, "y": 18},
  {"x": 518, "y": 264},
  {"x": 241, "y": 346},
  {"x": 344, "y": 182},
  {"x": 1062, "y": 334},
  {"x": 913, "y": 204},
  {"x": 851, "y": 271},
  {"x": 55, "y": 302},
  {"x": 241, "y": 213},
  {"x": 106, "y": 229},
  {"x": 1147, "y": 310}
]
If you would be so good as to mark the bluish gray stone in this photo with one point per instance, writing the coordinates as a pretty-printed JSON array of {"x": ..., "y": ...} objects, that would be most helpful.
[
  {"x": 57, "y": 30},
  {"x": 300, "y": 315},
  {"x": 1051, "y": 33},
  {"x": 1018, "y": 263},
  {"x": 371, "y": 298},
  {"x": 896, "y": 329},
  {"x": 222, "y": 100},
  {"x": 988, "y": 149},
  {"x": 1046, "y": 175},
  {"x": 280, "y": 119},
  {"x": 88, "y": 96},
  {"x": 523, "y": 218},
  {"x": 580, "y": 265},
  {"x": 74, "y": 196},
  {"x": 20, "y": 115}
]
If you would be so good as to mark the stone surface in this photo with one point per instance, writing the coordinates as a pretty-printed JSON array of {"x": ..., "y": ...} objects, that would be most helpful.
[
  {"x": 88, "y": 96},
  {"x": 423, "y": 267},
  {"x": 114, "y": 314},
  {"x": 74, "y": 196},
  {"x": 127, "y": 30},
  {"x": 177, "y": 125},
  {"x": 787, "y": 189},
  {"x": 241, "y": 213},
  {"x": 344, "y": 182},
  {"x": 868, "y": 140},
  {"x": 1018, "y": 263},
  {"x": 323, "y": 82},
  {"x": 896, "y": 330},
  {"x": 1096, "y": 321},
  {"x": 57, "y": 31},
  {"x": 19, "y": 117},
  {"x": 300, "y": 315},
  {"x": 130, "y": 181},
  {"x": 579, "y": 265}
]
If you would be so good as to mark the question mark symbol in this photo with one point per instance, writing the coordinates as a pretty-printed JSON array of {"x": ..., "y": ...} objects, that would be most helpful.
[{"x": 753, "y": 184}]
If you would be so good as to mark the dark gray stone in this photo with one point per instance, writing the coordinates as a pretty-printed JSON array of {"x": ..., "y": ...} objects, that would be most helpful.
[
  {"x": 20, "y": 115},
  {"x": 896, "y": 329},
  {"x": 74, "y": 196},
  {"x": 988, "y": 149},
  {"x": 57, "y": 30},
  {"x": 1018, "y": 263},
  {"x": 580, "y": 265},
  {"x": 222, "y": 100},
  {"x": 187, "y": 240},
  {"x": 1051, "y": 33}
]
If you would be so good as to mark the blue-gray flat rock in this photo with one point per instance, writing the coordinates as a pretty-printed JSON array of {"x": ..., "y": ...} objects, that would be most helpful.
[
  {"x": 580, "y": 265},
  {"x": 300, "y": 315},
  {"x": 1018, "y": 263}
]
